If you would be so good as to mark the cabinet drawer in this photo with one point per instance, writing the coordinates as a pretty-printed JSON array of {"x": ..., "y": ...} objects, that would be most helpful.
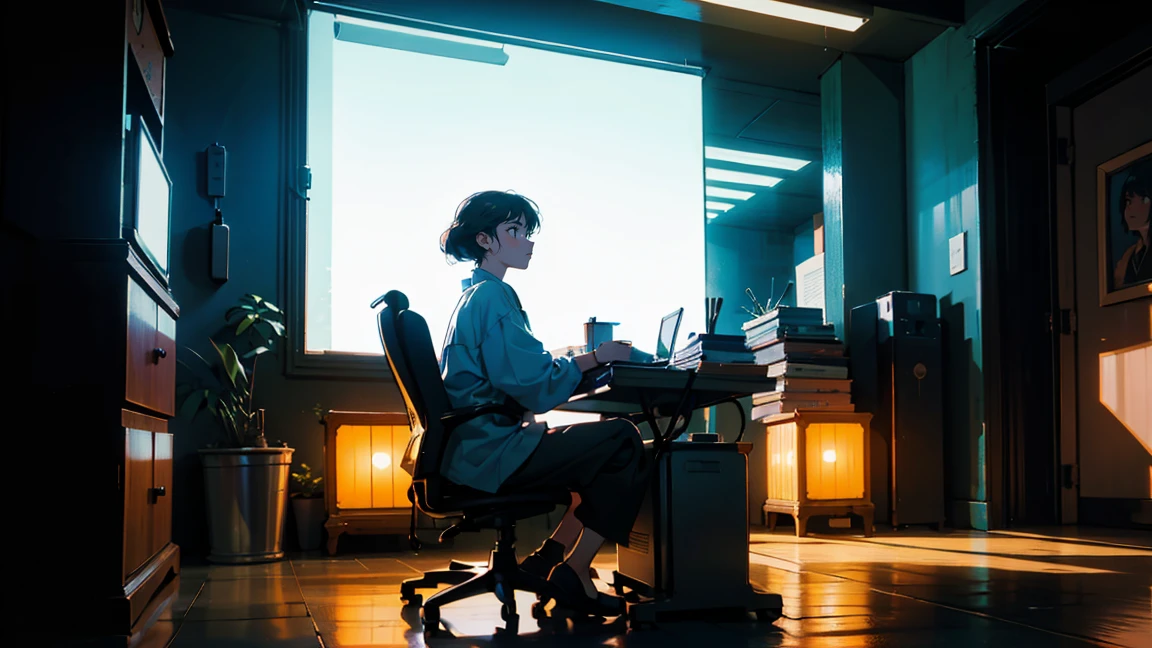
[
  {"x": 138, "y": 518},
  {"x": 162, "y": 490},
  {"x": 147, "y": 488},
  {"x": 150, "y": 376}
]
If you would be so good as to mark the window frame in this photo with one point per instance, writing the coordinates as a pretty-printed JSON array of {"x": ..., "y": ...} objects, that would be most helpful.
[{"x": 296, "y": 180}]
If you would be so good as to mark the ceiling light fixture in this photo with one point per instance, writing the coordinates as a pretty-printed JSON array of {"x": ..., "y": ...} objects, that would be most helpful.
[
  {"x": 419, "y": 41},
  {"x": 798, "y": 13},
  {"x": 711, "y": 215},
  {"x": 739, "y": 177},
  {"x": 730, "y": 194},
  {"x": 753, "y": 159},
  {"x": 718, "y": 206}
]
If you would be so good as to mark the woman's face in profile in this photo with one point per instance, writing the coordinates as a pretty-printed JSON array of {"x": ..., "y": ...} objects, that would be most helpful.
[{"x": 1136, "y": 211}]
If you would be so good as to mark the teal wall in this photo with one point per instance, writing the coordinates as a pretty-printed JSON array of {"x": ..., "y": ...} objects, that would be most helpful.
[
  {"x": 804, "y": 242},
  {"x": 737, "y": 258},
  {"x": 225, "y": 86},
  {"x": 865, "y": 249},
  {"x": 942, "y": 166}
]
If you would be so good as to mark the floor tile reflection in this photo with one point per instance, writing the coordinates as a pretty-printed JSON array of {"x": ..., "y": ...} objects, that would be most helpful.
[{"x": 1027, "y": 588}]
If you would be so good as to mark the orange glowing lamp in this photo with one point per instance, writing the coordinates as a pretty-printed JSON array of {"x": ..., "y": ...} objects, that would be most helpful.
[
  {"x": 368, "y": 492},
  {"x": 818, "y": 464}
]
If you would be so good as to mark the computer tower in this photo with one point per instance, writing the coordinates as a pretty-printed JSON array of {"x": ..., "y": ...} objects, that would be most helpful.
[
  {"x": 691, "y": 535},
  {"x": 896, "y": 353}
]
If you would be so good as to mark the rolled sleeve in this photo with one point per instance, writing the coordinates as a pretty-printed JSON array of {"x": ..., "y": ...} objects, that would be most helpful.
[{"x": 517, "y": 364}]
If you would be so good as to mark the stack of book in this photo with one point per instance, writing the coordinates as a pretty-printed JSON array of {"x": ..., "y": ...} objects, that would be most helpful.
[
  {"x": 715, "y": 353},
  {"x": 804, "y": 356}
]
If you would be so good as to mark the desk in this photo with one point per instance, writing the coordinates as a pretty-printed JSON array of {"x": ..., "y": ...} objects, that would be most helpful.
[
  {"x": 698, "y": 498},
  {"x": 653, "y": 392}
]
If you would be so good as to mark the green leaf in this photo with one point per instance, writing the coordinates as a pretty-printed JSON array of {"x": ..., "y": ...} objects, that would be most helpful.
[
  {"x": 238, "y": 311},
  {"x": 233, "y": 369},
  {"x": 257, "y": 351},
  {"x": 246, "y": 322},
  {"x": 272, "y": 307},
  {"x": 195, "y": 401}
]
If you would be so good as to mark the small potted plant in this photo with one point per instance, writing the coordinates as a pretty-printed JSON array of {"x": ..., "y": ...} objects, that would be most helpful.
[
  {"x": 308, "y": 506},
  {"x": 245, "y": 480}
]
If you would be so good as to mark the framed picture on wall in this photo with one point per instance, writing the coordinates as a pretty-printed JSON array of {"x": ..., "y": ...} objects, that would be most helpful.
[{"x": 1124, "y": 194}]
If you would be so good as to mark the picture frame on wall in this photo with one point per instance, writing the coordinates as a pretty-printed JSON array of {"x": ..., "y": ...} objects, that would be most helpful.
[{"x": 1124, "y": 195}]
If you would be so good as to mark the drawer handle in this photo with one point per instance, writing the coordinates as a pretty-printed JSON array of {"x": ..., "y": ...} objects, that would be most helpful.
[
  {"x": 158, "y": 492},
  {"x": 158, "y": 353}
]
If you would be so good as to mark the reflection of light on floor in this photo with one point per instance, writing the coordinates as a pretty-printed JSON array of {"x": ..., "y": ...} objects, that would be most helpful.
[
  {"x": 1124, "y": 379},
  {"x": 975, "y": 555}
]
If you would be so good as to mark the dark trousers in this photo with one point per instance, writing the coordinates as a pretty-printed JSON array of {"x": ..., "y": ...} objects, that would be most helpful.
[{"x": 603, "y": 462}]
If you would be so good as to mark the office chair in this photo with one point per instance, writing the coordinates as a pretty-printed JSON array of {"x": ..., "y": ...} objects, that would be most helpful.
[{"x": 408, "y": 347}]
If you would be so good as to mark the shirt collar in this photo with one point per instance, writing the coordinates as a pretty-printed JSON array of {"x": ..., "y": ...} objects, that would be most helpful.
[{"x": 479, "y": 275}]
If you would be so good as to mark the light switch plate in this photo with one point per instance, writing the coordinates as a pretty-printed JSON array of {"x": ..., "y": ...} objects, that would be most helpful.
[{"x": 958, "y": 253}]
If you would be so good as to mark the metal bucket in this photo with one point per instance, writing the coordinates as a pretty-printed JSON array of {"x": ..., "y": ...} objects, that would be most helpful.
[{"x": 247, "y": 501}]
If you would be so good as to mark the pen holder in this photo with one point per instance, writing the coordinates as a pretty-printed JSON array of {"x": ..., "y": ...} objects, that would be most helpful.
[{"x": 596, "y": 333}]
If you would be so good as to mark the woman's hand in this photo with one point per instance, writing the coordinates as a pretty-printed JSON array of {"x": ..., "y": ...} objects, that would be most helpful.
[
  {"x": 612, "y": 351},
  {"x": 605, "y": 353}
]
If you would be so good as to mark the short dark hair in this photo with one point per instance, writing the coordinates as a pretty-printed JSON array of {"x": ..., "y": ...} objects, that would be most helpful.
[
  {"x": 1137, "y": 184},
  {"x": 483, "y": 212}
]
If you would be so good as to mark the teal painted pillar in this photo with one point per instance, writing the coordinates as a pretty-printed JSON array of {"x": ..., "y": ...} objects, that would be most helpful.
[
  {"x": 865, "y": 249},
  {"x": 865, "y": 209}
]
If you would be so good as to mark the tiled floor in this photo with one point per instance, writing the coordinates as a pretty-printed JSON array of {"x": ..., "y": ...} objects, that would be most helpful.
[{"x": 1063, "y": 587}]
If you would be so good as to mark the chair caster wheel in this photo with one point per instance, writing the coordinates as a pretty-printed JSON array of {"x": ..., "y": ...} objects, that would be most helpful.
[
  {"x": 511, "y": 621},
  {"x": 411, "y": 600},
  {"x": 540, "y": 610},
  {"x": 415, "y": 544},
  {"x": 431, "y": 618}
]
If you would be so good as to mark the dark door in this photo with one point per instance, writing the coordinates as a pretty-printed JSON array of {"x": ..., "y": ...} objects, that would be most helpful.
[{"x": 1106, "y": 363}]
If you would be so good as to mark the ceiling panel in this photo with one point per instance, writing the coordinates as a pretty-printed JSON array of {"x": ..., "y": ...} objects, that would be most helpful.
[
  {"x": 786, "y": 122},
  {"x": 769, "y": 120}
]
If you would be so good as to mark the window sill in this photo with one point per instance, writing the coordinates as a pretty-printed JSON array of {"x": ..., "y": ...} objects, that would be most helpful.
[{"x": 340, "y": 366}]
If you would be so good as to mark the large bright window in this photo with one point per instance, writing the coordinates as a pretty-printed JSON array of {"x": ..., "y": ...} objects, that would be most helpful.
[{"x": 403, "y": 125}]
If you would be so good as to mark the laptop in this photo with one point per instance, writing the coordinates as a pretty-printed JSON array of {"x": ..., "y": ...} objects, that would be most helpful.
[{"x": 665, "y": 342}]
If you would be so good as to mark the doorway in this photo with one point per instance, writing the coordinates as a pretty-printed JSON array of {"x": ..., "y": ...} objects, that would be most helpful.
[
  {"x": 1029, "y": 300},
  {"x": 1103, "y": 201}
]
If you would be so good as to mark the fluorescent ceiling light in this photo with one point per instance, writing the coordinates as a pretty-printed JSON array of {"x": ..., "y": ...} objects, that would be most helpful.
[
  {"x": 711, "y": 215},
  {"x": 795, "y": 12},
  {"x": 419, "y": 41},
  {"x": 753, "y": 159},
  {"x": 739, "y": 177},
  {"x": 730, "y": 194},
  {"x": 718, "y": 206}
]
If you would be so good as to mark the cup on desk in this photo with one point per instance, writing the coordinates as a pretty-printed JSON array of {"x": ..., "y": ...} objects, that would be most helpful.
[{"x": 596, "y": 333}]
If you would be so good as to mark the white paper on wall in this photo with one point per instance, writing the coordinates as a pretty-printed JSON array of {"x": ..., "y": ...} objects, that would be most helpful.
[{"x": 810, "y": 283}]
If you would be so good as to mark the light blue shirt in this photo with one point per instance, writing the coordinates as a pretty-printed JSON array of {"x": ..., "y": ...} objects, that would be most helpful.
[{"x": 490, "y": 354}]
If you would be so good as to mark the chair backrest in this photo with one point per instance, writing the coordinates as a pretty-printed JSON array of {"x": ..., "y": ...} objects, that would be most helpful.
[{"x": 408, "y": 347}]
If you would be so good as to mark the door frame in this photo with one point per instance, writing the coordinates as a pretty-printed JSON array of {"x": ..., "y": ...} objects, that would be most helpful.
[{"x": 1064, "y": 93}]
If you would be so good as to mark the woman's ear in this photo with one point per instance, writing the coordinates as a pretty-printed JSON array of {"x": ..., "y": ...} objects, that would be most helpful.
[{"x": 484, "y": 241}]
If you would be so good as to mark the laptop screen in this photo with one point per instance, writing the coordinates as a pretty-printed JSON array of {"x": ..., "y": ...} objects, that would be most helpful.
[{"x": 668, "y": 328}]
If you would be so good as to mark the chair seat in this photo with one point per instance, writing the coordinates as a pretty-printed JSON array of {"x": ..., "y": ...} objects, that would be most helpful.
[{"x": 456, "y": 500}]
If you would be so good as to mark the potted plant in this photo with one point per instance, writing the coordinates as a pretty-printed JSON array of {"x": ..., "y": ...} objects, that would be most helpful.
[
  {"x": 308, "y": 506},
  {"x": 245, "y": 480}
]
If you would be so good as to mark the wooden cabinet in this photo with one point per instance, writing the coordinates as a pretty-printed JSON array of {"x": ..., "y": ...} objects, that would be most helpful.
[
  {"x": 91, "y": 328},
  {"x": 114, "y": 462}
]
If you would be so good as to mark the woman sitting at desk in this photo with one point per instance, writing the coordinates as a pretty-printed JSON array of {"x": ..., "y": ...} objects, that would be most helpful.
[{"x": 491, "y": 356}]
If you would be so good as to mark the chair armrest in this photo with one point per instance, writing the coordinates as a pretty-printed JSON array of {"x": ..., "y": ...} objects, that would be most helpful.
[{"x": 453, "y": 418}]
